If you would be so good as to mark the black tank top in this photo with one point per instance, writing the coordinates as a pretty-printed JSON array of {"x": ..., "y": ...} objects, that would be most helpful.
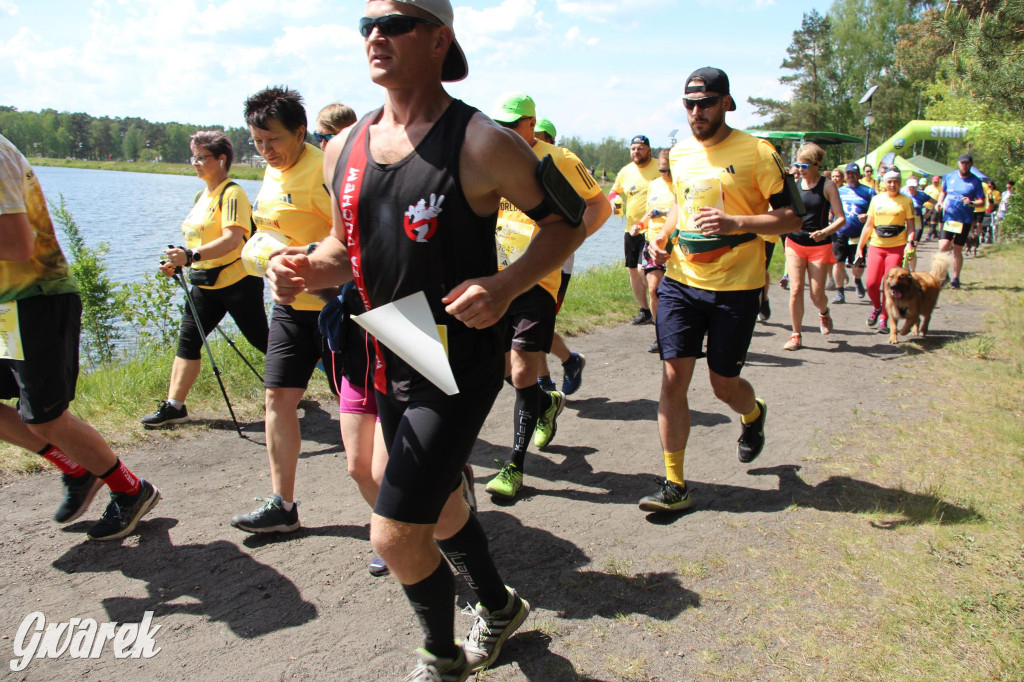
[
  {"x": 817, "y": 214},
  {"x": 409, "y": 228}
]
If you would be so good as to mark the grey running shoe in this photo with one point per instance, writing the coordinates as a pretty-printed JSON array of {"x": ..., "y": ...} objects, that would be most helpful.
[
  {"x": 165, "y": 415},
  {"x": 270, "y": 518},
  {"x": 123, "y": 513},
  {"x": 433, "y": 669},
  {"x": 840, "y": 297},
  {"x": 378, "y": 568},
  {"x": 78, "y": 494},
  {"x": 861, "y": 291},
  {"x": 573, "y": 378},
  {"x": 642, "y": 317},
  {"x": 490, "y": 630},
  {"x": 654, "y": 348},
  {"x": 671, "y": 497},
  {"x": 468, "y": 492},
  {"x": 751, "y": 440}
]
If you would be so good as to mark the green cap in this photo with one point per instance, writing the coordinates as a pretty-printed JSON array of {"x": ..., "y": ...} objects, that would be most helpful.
[
  {"x": 544, "y": 125},
  {"x": 512, "y": 106}
]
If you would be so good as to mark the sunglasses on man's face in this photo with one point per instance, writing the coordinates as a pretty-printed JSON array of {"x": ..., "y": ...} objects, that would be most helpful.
[
  {"x": 321, "y": 138},
  {"x": 701, "y": 103},
  {"x": 664, "y": 170},
  {"x": 391, "y": 24}
]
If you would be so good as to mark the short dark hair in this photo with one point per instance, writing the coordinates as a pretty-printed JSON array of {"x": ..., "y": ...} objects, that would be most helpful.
[
  {"x": 216, "y": 142},
  {"x": 277, "y": 102}
]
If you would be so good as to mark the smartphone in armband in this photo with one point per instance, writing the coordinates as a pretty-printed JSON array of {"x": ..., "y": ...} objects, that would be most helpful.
[{"x": 559, "y": 194}]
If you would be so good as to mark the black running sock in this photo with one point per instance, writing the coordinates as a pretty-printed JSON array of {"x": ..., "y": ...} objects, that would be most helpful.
[
  {"x": 468, "y": 552},
  {"x": 432, "y": 600},
  {"x": 527, "y": 411}
]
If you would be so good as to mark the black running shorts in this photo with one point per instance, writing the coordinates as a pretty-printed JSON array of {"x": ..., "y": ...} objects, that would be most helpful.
[
  {"x": 243, "y": 300},
  {"x": 957, "y": 239},
  {"x": 686, "y": 314},
  {"x": 633, "y": 248},
  {"x": 44, "y": 382},
  {"x": 843, "y": 250},
  {"x": 531, "y": 321},
  {"x": 294, "y": 347},
  {"x": 429, "y": 442}
]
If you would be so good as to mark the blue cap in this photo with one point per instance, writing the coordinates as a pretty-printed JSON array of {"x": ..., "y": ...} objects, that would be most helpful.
[
  {"x": 640, "y": 139},
  {"x": 852, "y": 168}
]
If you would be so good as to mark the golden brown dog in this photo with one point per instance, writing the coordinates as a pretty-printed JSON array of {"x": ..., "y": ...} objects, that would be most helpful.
[{"x": 911, "y": 297}]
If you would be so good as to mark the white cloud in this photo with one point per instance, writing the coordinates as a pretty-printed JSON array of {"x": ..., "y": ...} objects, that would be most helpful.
[{"x": 8, "y": 7}]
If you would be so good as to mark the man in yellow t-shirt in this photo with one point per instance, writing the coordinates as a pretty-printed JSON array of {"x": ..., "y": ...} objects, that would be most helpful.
[
  {"x": 628, "y": 196},
  {"x": 659, "y": 200},
  {"x": 730, "y": 188},
  {"x": 992, "y": 197},
  {"x": 530, "y": 319}
]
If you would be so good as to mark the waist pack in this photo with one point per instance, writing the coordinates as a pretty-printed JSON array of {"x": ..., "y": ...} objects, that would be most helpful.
[
  {"x": 207, "y": 277},
  {"x": 887, "y": 231},
  {"x": 699, "y": 248}
]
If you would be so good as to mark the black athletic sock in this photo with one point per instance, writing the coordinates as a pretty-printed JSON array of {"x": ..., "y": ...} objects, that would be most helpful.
[
  {"x": 468, "y": 552},
  {"x": 433, "y": 599},
  {"x": 527, "y": 411}
]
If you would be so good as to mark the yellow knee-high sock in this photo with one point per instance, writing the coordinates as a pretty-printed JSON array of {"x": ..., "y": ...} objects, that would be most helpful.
[
  {"x": 752, "y": 417},
  {"x": 674, "y": 466}
]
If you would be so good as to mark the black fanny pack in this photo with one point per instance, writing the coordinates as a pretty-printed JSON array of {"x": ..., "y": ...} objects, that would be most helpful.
[
  {"x": 887, "y": 231},
  {"x": 207, "y": 277}
]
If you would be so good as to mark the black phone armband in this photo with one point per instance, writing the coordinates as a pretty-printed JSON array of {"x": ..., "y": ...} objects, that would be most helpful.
[
  {"x": 789, "y": 197},
  {"x": 559, "y": 195}
]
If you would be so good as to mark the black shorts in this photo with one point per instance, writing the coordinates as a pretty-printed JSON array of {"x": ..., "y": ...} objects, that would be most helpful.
[
  {"x": 429, "y": 442},
  {"x": 633, "y": 247},
  {"x": 243, "y": 300},
  {"x": 647, "y": 262},
  {"x": 843, "y": 250},
  {"x": 957, "y": 239},
  {"x": 686, "y": 314},
  {"x": 294, "y": 346},
  {"x": 44, "y": 382},
  {"x": 562, "y": 288},
  {"x": 530, "y": 321}
]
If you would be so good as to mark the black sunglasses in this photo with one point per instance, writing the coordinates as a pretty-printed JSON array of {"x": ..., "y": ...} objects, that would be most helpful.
[
  {"x": 702, "y": 103},
  {"x": 664, "y": 170},
  {"x": 323, "y": 138},
  {"x": 391, "y": 24}
]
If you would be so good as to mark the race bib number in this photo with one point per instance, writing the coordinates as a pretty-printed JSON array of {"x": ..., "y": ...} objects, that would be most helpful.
[
  {"x": 512, "y": 239},
  {"x": 256, "y": 252},
  {"x": 10, "y": 332},
  {"x": 696, "y": 195},
  {"x": 193, "y": 235},
  {"x": 953, "y": 226}
]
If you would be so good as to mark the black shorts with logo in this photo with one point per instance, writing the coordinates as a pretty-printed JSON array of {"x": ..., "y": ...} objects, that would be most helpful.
[{"x": 294, "y": 347}]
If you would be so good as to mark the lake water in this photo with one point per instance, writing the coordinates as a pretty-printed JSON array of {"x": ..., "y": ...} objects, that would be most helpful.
[{"x": 138, "y": 214}]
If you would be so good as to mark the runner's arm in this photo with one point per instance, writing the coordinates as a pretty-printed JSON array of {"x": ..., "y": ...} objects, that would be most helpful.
[{"x": 17, "y": 241}]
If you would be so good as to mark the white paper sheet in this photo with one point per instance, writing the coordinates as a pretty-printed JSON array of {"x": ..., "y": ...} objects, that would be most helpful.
[{"x": 407, "y": 328}]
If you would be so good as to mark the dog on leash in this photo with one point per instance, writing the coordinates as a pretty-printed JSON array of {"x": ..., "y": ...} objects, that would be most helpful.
[{"x": 911, "y": 296}]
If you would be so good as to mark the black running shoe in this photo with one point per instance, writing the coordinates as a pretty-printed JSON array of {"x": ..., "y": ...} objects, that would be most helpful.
[
  {"x": 642, "y": 317},
  {"x": 123, "y": 513},
  {"x": 671, "y": 497},
  {"x": 165, "y": 415},
  {"x": 765, "y": 313},
  {"x": 270, "y": 518},
  {"x": 78, "y": 494},
  {"x": 751, "y": 440}
]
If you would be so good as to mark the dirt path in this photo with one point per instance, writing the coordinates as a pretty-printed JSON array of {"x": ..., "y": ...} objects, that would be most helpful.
[{"x": 609, "y": 585}]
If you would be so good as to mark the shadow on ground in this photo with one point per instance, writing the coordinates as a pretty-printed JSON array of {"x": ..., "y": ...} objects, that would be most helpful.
[{"x": 217, "y": 581}]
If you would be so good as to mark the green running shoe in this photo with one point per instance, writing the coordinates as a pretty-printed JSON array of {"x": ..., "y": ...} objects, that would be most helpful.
[
  {"x": 507, "y": 483},
  {"x": 546, "y": 425}
]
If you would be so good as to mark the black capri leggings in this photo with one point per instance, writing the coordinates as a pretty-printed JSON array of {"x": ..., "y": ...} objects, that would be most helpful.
[{"x": 243, "y": 300}]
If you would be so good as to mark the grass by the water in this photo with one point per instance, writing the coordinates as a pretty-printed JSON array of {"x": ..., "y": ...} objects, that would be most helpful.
[{"x": 238, "y": 172}]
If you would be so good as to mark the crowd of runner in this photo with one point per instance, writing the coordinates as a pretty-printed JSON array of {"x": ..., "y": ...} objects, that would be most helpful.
[{"x": 480, "y": 213}]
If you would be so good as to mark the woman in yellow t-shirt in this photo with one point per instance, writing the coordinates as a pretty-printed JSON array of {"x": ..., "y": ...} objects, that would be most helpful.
[
  {"x": 294, "y": 208},
  {"x": 214, "y": 232},
  {"x": 890, "y": 227}
]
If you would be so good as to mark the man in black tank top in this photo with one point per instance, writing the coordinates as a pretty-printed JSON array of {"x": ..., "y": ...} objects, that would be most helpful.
[{"x": 416, "y": 187}]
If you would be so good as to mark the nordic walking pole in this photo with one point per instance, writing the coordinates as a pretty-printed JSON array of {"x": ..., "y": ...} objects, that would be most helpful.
[
  {"x": 206, "y": 344},
  {"x": 240, "y": 354}
]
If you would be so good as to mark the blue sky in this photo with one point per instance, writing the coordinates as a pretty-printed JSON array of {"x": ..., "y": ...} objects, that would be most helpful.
[{"x": 597, "y": 68}]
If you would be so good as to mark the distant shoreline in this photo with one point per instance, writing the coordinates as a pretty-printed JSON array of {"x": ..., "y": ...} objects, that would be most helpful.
[{"x": 237, "y": 172}]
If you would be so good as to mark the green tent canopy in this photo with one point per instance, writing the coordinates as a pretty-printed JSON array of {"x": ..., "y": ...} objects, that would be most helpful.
[{"x": 818, "y": 137}]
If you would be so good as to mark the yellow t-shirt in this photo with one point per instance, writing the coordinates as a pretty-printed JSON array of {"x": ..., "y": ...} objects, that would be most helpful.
[
  {"x": 739, "y": 174},
  {"x": 296, "y": 204},
  {"x": 631, "y": 184},
  {"x": 887, "y": 210},
  {"x": 206, "y": 222},
  {"x": 933, "y": 192},
  {"x": 992, "y": 197},
  {"x": 514, "y": 230},
  {"x": 872, "y": 183},
  {"x": 660, "y": 198},
  {"x": 46, "y": 273}
]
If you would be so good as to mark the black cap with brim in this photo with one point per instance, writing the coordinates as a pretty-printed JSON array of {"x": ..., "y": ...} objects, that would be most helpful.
[
  {"x": 715, "y": 81},
  {"x": 967, "y": 158}
]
